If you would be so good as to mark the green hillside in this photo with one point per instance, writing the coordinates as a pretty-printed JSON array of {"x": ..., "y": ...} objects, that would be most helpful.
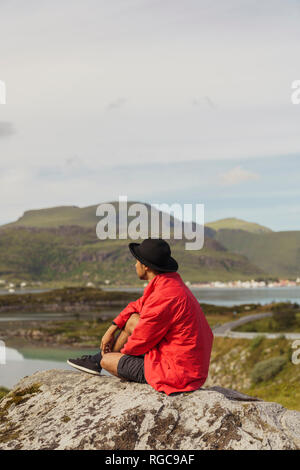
[
  {"x": 60, "y": 243},
  {"x": 75, "y": 253},
  {"x": 276, "y": 252},
  {"x": 56, "y": 216},
  {"x": 73, "y": 215},
  {"x": 237, "y": 224}
]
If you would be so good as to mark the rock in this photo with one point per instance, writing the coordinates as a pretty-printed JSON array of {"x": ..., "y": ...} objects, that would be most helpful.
[{"x": 60, "y": 409}]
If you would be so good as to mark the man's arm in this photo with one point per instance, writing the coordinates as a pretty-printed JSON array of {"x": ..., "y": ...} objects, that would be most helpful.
[
  {"x": 151, "y": 328},
  {"x": 108, "y": 339},
  {"x": 132, "y": 307}
]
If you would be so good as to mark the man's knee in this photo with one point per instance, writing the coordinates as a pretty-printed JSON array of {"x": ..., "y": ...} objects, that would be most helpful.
[
  {"x": 105, "y": 361},
  {"x": 102, "y": 362},
  {"x": 110, "y": 362},
  {"x": 131, "y": 323}
]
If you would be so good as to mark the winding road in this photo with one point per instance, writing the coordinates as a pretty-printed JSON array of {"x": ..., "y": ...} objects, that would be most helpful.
[{"x": 226, "y": 328}]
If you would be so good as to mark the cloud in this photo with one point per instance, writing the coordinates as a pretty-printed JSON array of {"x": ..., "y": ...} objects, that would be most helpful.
[
  {"x": 116, "y": 104},
  {"x": 6, "y": 129},
  {"x": 73, "y": 161},
  {"x": 238, "y": 175},
  {"x": 206, "y": 100},
  {"x": 114, "y": 83}
]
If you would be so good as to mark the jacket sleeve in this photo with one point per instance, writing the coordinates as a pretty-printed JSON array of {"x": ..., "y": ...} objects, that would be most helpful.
[
  {"x": 132, "y": 307},
  {"x": 151, "y": 328}
]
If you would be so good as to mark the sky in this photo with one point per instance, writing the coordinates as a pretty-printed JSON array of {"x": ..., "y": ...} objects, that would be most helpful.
[{"x": 161, "y": 100}]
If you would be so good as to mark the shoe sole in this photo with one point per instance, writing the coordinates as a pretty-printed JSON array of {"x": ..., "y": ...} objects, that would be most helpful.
[{"x": 83, "y": 369}]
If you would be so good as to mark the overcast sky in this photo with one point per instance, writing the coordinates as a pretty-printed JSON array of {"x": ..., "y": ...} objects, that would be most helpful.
[{"x": 160, "y": 100}]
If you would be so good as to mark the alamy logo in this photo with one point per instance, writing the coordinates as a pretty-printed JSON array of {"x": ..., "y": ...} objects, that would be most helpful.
[
  {"x": 295, "y": 97},
  {"x": 2, "y": 92},
  {"x": 145, "y": 222},
  {"x": 2, "y": 353},
  {"x": 296, "y": 354}
]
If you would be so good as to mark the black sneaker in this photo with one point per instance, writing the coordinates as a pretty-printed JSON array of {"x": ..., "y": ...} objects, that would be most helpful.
[{"x": 86, "y": 364}]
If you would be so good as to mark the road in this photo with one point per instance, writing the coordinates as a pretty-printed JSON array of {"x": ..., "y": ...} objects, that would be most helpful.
[{"x": 225, "y": 329}]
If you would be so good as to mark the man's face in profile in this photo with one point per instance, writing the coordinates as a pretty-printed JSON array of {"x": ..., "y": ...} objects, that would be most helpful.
[{"x": 140, "y": 270}]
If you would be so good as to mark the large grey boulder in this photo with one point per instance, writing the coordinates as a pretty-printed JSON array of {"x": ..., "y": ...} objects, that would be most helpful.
[{"x": 59, "y": 409}]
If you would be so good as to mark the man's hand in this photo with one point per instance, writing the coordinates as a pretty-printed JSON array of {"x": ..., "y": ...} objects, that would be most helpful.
[{"x": 108, "y": 339}]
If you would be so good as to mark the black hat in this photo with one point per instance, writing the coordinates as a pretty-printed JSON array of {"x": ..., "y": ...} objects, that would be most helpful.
[{"x": 154, "y": 253}]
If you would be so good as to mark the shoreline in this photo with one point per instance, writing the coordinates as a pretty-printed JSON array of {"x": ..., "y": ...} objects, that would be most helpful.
[{"x": 69, "y": 299}]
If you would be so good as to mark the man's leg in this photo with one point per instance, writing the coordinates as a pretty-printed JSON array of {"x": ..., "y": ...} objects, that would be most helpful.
[
  {"x": 93, "y": 364},
  {"x": 110, "y": 361},
  {"x": 126, "y": 332},
  {"x": 122, "y": 338}
]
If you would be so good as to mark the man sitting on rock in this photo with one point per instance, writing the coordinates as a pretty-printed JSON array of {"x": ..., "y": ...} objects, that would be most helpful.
[{"x": 165, "y": 339}]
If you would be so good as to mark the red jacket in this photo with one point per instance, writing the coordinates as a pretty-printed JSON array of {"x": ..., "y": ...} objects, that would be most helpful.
[{"x": 172, "y": 332}]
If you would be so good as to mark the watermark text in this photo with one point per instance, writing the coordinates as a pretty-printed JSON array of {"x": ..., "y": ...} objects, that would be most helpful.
[
  {"x": 140, "y": 220},
  {"x": 295, "y": 96},
  {"x": 296, "y": 354},
  {"x": 2, "y": 92},
  {"x": 2, "y": 353}
]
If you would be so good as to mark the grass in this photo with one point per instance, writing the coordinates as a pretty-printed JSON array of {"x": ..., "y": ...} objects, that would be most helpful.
[
  {"x": 3, "y": 391},
  {"x": 84, "y": 334},
  {"x": 237, "y": 224},
  {"x": 268, "y": 369},
  {"x": 74, "y": 253},
  {"x": 79, "y": 334},
  {"x": 276, "y": 253},
  {"x": 9, "y": 431},
  {"x": 234, "y": 360},
  {"x": 70, "y": 296},
  {"x": 268, "y": 325}
]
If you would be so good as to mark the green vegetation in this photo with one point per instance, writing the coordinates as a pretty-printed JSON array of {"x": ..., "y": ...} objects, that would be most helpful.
[
  {"x": 65, "y": 419},
  {"x": 3, "y": 391},
  {"x": 19, "y": 395},
  {"x": 234, "y": 360},
  {"x": 216, "y": 315},
  {"x": 74, "y": 253},
  {"x": 60, "y": 244},
  {"x": 69, "y": 296},
  {"x": 266, "y": 370},
  {"x": 211, "y": 309},
  {"x": 74, "y": 333},
  {"x": 285, "y": 319},
  {"x": 256, "y": 341},
  {"x": 16, "y": 398},
  {"x": 86, "y": 333},
  {"x": 276, "y": 253},
  {"x": 285, "y": 316},
  {"x": 55, "y": 217},
  {"x": 238, "y": 224}
]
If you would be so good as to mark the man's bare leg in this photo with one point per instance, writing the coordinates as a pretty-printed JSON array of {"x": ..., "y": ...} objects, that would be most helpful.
[
  {"x": 110, "y": 360},
  {"x": 126, "y": 332}
]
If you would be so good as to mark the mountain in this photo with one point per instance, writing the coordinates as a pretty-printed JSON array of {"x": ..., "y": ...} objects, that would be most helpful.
[
  {"x": 273, "y": 252},
  {"x": 238, "y": 224},
  {"x": 60, "y": 244},
  {"x": 86, "y": 216}
]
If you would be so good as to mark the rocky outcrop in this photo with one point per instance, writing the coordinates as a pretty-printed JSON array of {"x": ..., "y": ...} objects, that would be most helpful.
[{"x": 59, "y": 409}]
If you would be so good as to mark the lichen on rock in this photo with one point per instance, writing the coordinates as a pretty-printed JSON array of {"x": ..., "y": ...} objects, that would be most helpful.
[{"x": 59, "y": 409}]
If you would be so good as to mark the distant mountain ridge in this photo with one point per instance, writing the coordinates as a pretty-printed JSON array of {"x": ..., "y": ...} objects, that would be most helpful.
[
  {"x": 237, "y": 224},
  {"x": 274, "y": 252},
  {"x": 60, "y": 243},
  {"x": 86, "y": 217}
]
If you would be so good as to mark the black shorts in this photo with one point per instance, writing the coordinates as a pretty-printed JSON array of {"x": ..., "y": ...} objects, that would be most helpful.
[{"x": 132, "y": 368}]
